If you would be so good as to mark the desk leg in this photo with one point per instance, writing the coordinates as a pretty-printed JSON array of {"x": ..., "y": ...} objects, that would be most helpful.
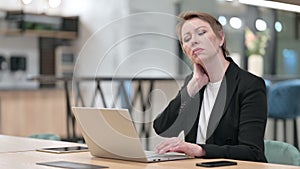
[
  {"x": 145, "y": 128},
  {"x": 0, "y": 117},
  {"x": 295, "y": 133},
  {"x": 68, "y": 107},
  {"x": 79, "y": 95},
  {"x": 126, "y": 95},
  {"x": 98, "y": 88},
  {"x": 148, "y": 125},
  {"x": 70, "y": 117}
]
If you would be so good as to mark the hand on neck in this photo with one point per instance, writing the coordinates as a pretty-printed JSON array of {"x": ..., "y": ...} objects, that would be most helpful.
[{"x": 215, "y": 68}]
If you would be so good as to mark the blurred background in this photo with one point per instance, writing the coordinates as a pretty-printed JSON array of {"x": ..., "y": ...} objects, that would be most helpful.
[{"x": 44, "y": 44}]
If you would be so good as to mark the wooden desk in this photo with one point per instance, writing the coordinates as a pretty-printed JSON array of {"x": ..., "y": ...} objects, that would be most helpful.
[
  {"x": 9, "y": 144},
  {"x": 25, "y": 157},
  {"x": 23, "y": 160}
]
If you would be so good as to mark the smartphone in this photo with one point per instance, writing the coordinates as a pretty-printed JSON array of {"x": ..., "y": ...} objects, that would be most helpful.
[
  {"x": 216, "y": 163},
  {"x": 68, "y": 164},
  {"x": 71, "y": 149}
]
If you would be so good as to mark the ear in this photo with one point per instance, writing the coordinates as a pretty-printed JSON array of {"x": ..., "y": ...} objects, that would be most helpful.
[{"x": 222, "y": 38}]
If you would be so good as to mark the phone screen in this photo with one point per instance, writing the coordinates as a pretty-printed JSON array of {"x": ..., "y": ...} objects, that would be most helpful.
[
  {"x": 64, "y": 149},
  {"x": 216, "y": 163}
]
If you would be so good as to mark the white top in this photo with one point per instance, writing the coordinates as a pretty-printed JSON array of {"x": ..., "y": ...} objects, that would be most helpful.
[{"x": 209, "y": 98}]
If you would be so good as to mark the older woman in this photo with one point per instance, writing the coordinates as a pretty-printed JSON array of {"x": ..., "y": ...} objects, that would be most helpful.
[{"x": 221, "y": 108}]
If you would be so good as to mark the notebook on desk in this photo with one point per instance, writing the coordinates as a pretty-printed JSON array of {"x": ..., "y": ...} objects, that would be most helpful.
[{"x": 110, "y": 133}]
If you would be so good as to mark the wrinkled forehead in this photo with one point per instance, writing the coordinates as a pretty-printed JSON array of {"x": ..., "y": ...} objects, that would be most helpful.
[{"x": 192, "y": 25}]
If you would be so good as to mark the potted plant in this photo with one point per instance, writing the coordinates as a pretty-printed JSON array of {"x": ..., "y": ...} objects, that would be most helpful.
[{"x": 255, "y": 50}]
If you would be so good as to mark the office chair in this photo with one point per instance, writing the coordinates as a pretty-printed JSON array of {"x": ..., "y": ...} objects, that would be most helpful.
[
  {"x": 284, "y": 104},
  {"x": 46, "y": 136},
  {"x": 281, "y": 153},
  {"x": 268, "y": 84}
]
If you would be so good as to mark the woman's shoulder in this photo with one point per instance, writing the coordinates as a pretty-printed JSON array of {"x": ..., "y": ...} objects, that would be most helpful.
[
  {"x": 247, "y": 75},
  {"x": 243, "y": 74},
  {"x": 249, "y": 79}
]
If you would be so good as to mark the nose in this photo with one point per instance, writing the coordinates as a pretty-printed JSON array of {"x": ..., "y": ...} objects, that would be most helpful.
[{"x": 194, "y": 40}]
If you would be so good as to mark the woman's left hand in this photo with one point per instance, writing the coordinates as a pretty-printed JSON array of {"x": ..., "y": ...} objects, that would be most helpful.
[{"x": 175, "y": 144}]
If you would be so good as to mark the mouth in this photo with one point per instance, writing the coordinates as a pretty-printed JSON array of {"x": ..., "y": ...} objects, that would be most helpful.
[{"x": 197, "y": 51}]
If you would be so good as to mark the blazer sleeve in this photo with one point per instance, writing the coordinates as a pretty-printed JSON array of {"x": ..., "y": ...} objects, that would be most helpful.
[
  {"x": 176, "y": 116},
  {"x": 251, "y": 127}
]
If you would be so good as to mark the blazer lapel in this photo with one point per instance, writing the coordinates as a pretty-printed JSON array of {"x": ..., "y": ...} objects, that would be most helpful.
[
  {"x": 218, "y": 109},
  {"x": 223, "y": 99},
  {"x": 232, "y": 81}
]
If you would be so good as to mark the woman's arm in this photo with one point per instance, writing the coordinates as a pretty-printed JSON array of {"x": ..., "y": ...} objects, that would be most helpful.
[
  {"x": 180, "y": 114},
  {"x": 166, "y": 119},
  {"x": 172, "y": 121}
]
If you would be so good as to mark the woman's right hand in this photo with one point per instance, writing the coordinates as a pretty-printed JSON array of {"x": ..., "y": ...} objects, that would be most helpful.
[
  {"x": 199, "y": 79},
  {"x": 175, "y": 144}
]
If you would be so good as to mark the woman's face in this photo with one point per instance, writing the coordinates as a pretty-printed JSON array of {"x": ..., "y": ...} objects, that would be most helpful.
[{"x": 199, "y": 41}]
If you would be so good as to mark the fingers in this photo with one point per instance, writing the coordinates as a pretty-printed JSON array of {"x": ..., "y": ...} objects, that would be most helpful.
[
  {"x": 168, "y": 145},
  {"x": 200, "y": 75},
  {"x": 177, "y": 145},
  {"x": 199, "y": 71}
]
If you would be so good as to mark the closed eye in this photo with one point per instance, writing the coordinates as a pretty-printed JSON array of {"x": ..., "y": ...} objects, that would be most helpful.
[
  {"x": 187, "y": 38},
  {"x": 201, "y": 33}
]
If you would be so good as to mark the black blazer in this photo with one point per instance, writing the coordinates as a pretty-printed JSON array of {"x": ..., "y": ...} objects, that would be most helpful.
[{"x": 238, "y": 126}]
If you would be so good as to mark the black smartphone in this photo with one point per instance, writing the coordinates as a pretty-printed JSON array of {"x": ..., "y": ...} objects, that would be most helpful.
[
  {"x": 69, "y": 164},
  {"x": 216, "y": 163},
  {"x": 71, "y": 149}
]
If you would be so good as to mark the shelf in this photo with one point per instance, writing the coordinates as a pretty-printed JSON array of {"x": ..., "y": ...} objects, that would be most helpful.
[
  {"x": 10, "y": 32},
  {"x": 40, "y": 25},
  {"x": 41, "y": 33},
  {"x": 53, "y": 34}
]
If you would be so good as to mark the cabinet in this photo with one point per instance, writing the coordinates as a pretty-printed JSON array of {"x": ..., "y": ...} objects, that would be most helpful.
[
  {"x": 41, "y": 25},
  {"x": 27, "y": 112}
]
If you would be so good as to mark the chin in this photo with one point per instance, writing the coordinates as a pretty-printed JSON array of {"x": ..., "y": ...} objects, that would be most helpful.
[{"x": 198, "y": 61}]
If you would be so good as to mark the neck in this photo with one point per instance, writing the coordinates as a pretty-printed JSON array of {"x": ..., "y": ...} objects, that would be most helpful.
[{"x": 216, "y": 68}]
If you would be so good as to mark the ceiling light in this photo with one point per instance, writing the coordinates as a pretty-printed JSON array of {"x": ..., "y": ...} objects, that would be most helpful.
[
  {"x": 54, "y": 3},
  {"x": 278, "y": 26},
  {"x": 235, "y": 22},
  {"x": 26, "y": 2},
  {"x": 222, "y": 20},
  {"x": 260, "y": 25},
  {"x": 272, "y": 4}
]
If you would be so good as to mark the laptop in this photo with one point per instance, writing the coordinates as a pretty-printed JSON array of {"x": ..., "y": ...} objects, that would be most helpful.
[{"x": 110, "y": 133}]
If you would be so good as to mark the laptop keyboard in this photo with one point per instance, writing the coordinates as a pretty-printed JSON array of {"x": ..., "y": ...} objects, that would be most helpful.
[
  {"x": 154, "y": 154},
  {"x": 151, "y": 153}
]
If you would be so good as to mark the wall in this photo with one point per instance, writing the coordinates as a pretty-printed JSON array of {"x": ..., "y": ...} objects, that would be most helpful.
[
  {"x": 117, "y": 40},
  {"x": 288, "y": 51},
  {"x": 18, "y": 45},
  {"x": 115, "y": 37},
  {"x": 21, "y": 46},
  {"x": 108, "y": 36}
]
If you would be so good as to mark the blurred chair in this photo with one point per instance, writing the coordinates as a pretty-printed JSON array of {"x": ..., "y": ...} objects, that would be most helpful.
[
  {"x": 268, "y": 84},
  {"x": 281, "y": 153},
  {"x": 284, "y": 104},
  {"x": 46, "y": 136}
]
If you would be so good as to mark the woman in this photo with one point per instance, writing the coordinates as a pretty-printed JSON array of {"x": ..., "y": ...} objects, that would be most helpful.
[{"x": 221, "y": 108}]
